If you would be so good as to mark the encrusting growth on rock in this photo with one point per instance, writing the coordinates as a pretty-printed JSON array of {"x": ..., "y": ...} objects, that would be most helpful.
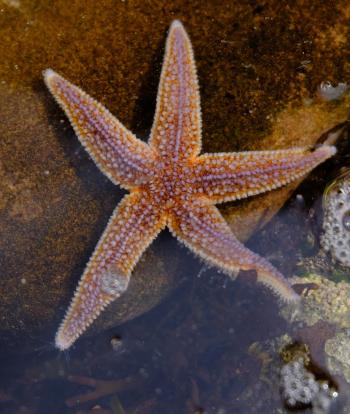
[{"x": 170, "y": 185}]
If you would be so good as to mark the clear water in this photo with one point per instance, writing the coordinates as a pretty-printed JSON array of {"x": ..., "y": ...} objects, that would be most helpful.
[{"x": 212, "y": 345}]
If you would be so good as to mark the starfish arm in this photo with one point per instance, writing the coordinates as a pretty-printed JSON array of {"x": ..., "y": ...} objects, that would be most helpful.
[
  {"x": 203, "y": 230},
  {"x": 132, "y": 227},
  {"x": 176, "y": 131},
  {"x": 231, "y": 176},
  {"x": 123, "y": 158}
]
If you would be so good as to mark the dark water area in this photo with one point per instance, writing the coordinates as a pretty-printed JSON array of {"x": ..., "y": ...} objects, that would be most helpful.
[
  {"x": 212, "y": 346},
  {"x": 198, "y": 351},
  {"x": 184, "y": 338}
]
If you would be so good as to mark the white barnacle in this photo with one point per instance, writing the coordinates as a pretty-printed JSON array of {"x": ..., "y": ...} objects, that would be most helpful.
[
  {"x": 329, "y": 93},
  {"x": 113, "y": 282}
]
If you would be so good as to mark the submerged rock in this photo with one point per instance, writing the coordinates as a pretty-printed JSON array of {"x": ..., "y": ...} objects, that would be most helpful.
[
  {"x": 337, "y": 351},
  {"x": 322, "y": 323},
  {"x": 323, "y": 300},
  {"x": 336, "y": 219}
]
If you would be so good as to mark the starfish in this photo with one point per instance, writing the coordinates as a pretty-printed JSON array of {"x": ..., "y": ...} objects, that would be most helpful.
[{"x": 170, "y": 184}]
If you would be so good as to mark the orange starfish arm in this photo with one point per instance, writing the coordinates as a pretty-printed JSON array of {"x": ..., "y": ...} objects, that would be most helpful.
[
  {"x": 203, "y": 230},
  {"x": 176, "y": 131},
  {"x": 123, "y": 158},
  {"x": 132, "y": 227},
  {"x": 231, "y": 176}
]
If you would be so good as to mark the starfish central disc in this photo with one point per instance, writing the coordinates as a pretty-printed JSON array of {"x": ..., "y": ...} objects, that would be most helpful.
[{"x": 171, "y": 185}]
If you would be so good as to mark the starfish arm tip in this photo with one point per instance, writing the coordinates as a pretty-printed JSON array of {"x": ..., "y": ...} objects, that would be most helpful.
[
  {"x": 275, "y": 281},
  {"x": 332, "y": 150},
  {"x": 293, "y": 297},
  {"x": 176, "y": 24},
  {"x": 48, "y": 73},
  {"x": 326, "y": 151},
  {"x": 61, "y": 342}
]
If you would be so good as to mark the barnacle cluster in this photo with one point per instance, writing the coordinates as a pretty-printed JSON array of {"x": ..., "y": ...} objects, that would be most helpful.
[
  {"x": 300, "y": 387},
  {"x": 291, "y": 376},
  {"x": 336, "y": 222}
]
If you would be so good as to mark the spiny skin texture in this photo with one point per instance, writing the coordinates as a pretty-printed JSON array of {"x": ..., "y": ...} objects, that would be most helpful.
[{"x": 170, "y": 185}]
